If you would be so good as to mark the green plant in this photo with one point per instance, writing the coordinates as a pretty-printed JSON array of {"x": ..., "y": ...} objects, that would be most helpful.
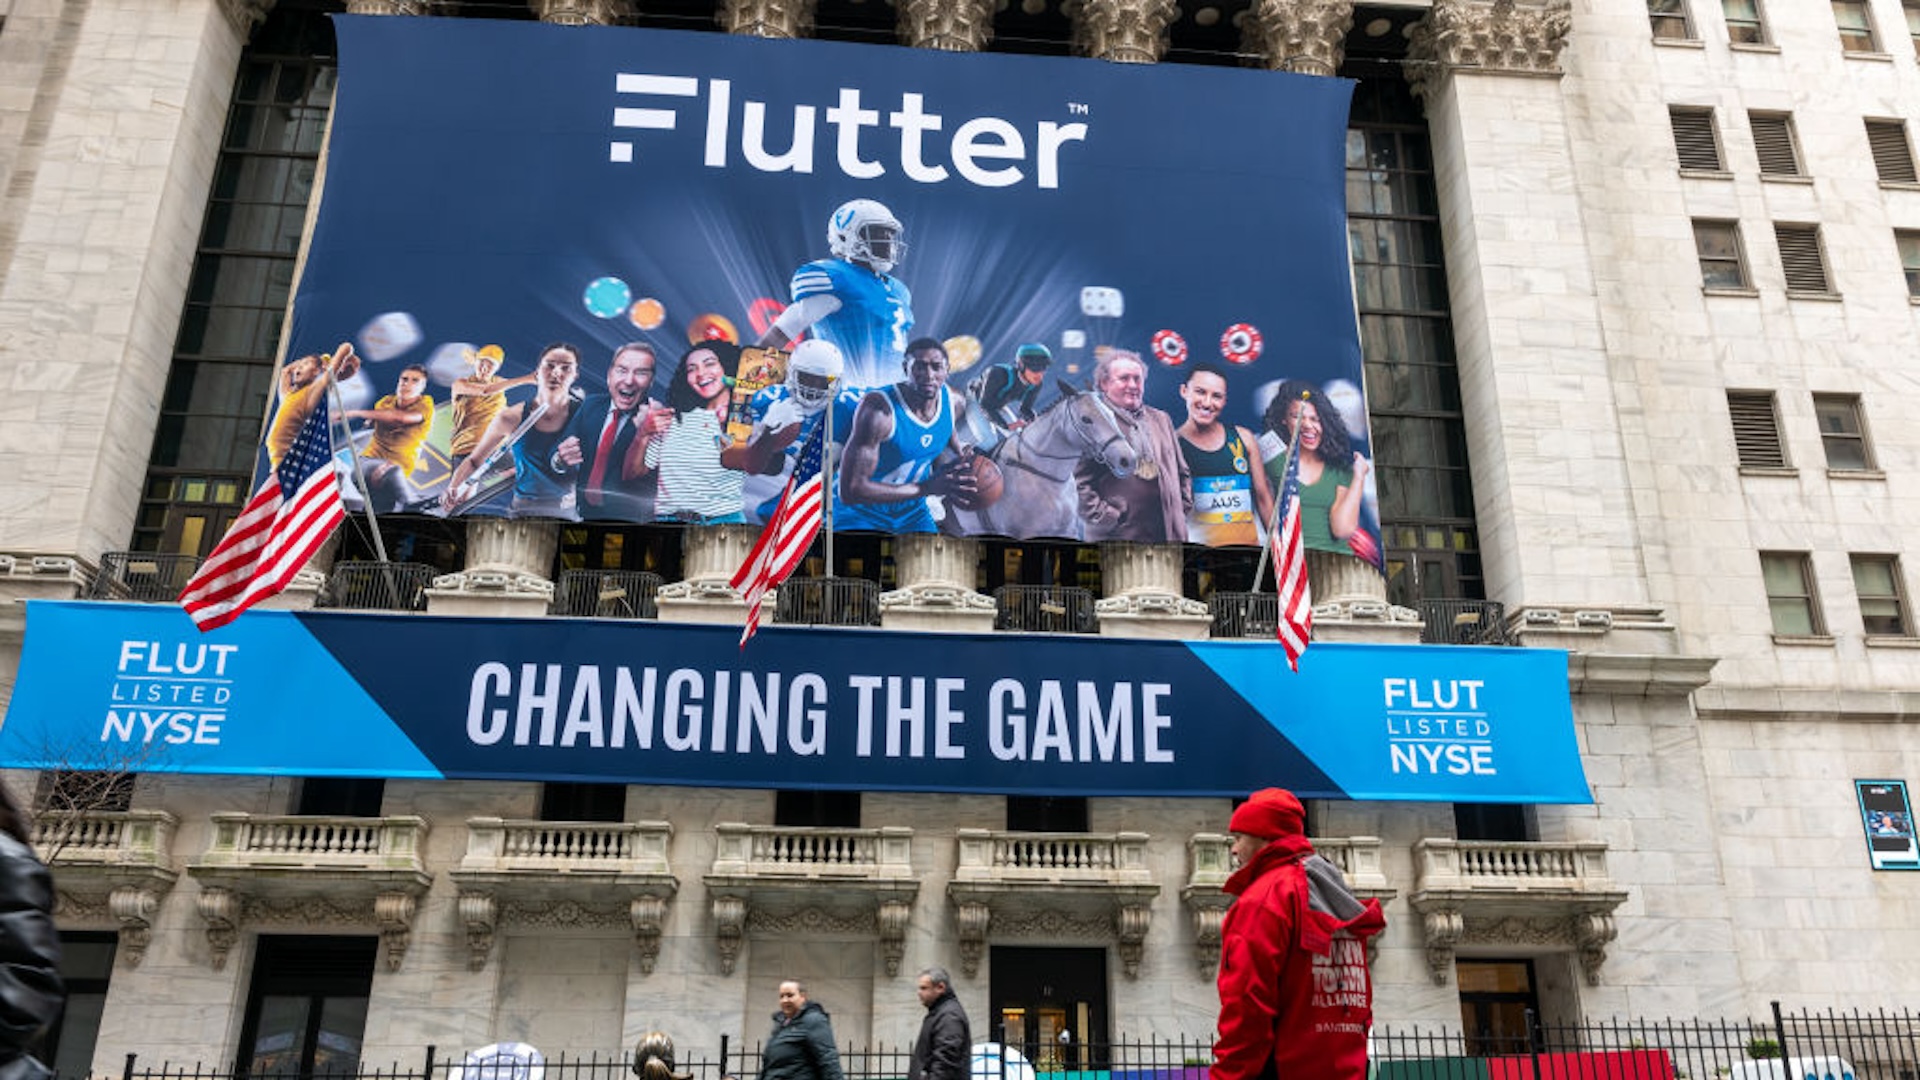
[{"x": 1759, "y": 1049}]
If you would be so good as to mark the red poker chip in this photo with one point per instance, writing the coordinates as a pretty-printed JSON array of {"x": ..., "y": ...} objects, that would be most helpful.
[
  {"x": 1240, "y": 344},
  {"x": 1170, "y": 347},
  {"x": 762, "y": 313}
]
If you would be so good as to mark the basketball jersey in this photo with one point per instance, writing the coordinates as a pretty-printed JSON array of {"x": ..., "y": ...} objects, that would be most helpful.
[
  {"x": 905, "y": 458},
  {"x": 873, "y": 322}
]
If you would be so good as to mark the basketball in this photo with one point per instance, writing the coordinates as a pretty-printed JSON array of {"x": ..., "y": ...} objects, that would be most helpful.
[{"x": 988, "y": 485}]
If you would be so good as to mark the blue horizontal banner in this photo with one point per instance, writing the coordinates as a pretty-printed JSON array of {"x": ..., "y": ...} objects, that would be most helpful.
[{"x": 364, "y": 694}]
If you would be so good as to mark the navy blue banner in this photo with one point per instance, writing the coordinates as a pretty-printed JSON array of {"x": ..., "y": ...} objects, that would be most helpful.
[
  {"x": 577, "y": 271},
  {"x": 353, "y": 694}
]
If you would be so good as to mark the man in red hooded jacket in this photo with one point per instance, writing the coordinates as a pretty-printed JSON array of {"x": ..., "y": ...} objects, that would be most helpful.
[{"x": 1295, "y": 996}]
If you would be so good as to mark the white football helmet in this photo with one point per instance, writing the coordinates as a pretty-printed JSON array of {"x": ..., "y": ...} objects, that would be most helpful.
[
  {"x": 863, "y": 231},
  {"x": 811, "y": 372}
]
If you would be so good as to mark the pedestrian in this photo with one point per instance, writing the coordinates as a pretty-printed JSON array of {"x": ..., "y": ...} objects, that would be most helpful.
[
  {"x": 653, "y": 1058},
  {"x": 31, "y": 994},
  {"x": 801, "y": 1046},
  {"x": 945, "y": 1046},
  {"x": 1295, "y": 996}
]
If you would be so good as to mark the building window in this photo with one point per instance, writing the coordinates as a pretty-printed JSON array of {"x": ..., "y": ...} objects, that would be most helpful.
[
  {"x": 307, "y": 1007},
  {"x": 1669, "y": 18},
  {"x": 1047, "y": 813},
  {"x": 1496, "y": 999},
  {"x": 817, "y": 809},
  {"x": 1909, "y": 243},
  {"x": 1744, "y": 25},
  {"x": 1721, "y": 266},
  {"x": 86, "y": 967},
  {"x": 1774, "y": 144},
  {"x": 1843, "y": 431},
  {"x": 1856, "y": 26},
  {"x": 1911, "y": 9},
  {"x": 1892, "y": 153},
  {"x": 1694, "y": 139},
  {"x": 1492, "y": 821},
  {"x": 1756, "y": 429},
  {"x": 583, "y": 802},
  {"x": 339, "y": 796},
  {"x": 1883, "y": 603},
  {"x": 1790, "y": 597},
  {"x": 1801, "y": 259}
]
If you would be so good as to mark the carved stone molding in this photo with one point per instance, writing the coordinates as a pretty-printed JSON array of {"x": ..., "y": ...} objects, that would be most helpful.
[
  {"x": 1130, "y": 934},
  {"x": 971, "y": 922},
  {"x": 1476, "y": 35},
  {"x": 393, "y": 912},
  {"x": 729, "y": 927},
  {"x": 1206, "y": 935},
  {"x": 133, "y": 908},
  {"x": 562, "y": 914},
  {"x": 1124, "y": 31},
  {"x": 478, "y": 915},
  {"x": 1307, "y": 37},
  {"x": 221, "y": 910},
  {"x": 767, "y": 18},
  {"x": 582, "y": 12},
  {"x": 388, "y": 7},
  {"x": 1444, "y": 928},
  {"x": 1144, "y": 580},
  {"x": 1592, "y": 933},
  {"x": 648, "y": 915},
  {"x": 80, "y": 907},
  {"x": 948, "y": 25},
  {"x": 892, "y": 918},
  {"x": 807, "y": 921},
  {"x": 244, "y": 15}
]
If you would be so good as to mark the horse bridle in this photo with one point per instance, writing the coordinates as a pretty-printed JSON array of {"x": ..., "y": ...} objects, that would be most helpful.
[{"x": 1098, "y": 452}]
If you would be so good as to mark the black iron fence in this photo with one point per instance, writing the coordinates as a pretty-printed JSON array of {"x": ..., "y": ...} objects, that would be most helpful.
[
  {"x": 1056, "y": 609},
  {"x": 1883, "y": 1045},
  {"x": 1463, "y": 622},
  {"x": 1244, "y": 614},
  {"x": 608, "y": 594},
  {"x": 828, "y": 601},
  {"x": 142, "y": 576},
  {"x": 377, "y": 586}
]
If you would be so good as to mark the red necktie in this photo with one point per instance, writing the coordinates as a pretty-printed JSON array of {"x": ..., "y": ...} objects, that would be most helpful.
[{"x": 596, "y": 494}]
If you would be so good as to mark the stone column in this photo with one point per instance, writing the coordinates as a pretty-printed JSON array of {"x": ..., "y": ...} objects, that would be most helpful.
[
  {"x": 1307, "y": 37},
  {"x": 947, "y": 25},
  {"x": 582, "y": 12},
  {"x": 1124, "y": 31},
  {"x": 938, "y": 572},
  {"x": 709, "y": 554},
  {"x": 390, "y": 7},
  {"x": 507, "y": 567},
  {"x": 1144, "y": 599},
  {"x": 1534, "y": 367},
  {"x": 767, "y": 18}
]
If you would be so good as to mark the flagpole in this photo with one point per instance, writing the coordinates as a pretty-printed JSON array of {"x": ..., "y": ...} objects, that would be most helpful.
[
  {"x": 1279, "y": 505},
  {"x": 827, "y": 478},
  {"x": 359, "y": 471}
]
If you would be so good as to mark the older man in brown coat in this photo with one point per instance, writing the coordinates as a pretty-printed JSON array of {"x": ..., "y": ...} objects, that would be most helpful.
[{"x": 1149, "y": 504}]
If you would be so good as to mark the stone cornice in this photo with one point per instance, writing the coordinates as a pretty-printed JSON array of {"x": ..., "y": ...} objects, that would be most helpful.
[
  {"x": 1638, "y": 676},
  {"x": 1788, "y": 704},
  {"x": 1499, "y": 37}
]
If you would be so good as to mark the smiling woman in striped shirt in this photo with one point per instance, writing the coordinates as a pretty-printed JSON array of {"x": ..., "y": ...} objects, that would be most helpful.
[{"x": 694, "y": 487}]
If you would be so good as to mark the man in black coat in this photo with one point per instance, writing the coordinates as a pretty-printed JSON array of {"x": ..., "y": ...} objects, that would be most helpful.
[
  {"x": 945, "y": 1046},
  {"x": 801, "y": 1046}
]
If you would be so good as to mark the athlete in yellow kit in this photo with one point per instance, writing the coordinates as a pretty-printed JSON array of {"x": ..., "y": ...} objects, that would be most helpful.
[
  {"x": 478, "y": 398},
  {"x": 303, "y": 384},
  {"x": 401, "y": 422}
]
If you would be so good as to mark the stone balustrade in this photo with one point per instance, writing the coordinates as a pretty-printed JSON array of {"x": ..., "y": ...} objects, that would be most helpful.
[
  {"x": 1097, "y": 858},
  {"x": 561, "y": 847},
  {"x": 1507, "y": 866},
  {"x": 322, "y": 843},
  {"x": 1488, "y": 892}
]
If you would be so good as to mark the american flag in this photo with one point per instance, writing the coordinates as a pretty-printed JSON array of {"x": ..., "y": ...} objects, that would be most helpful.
[
  {"x": 276, "y": 533},
  {"x": 789, "y": 532},
  {"x": 1295, "y": 625}
]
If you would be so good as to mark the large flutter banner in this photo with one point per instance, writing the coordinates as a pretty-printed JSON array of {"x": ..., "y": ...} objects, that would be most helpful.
[
  {"x": 328, "y": 694},
  {"x": 595, "y": 273}
]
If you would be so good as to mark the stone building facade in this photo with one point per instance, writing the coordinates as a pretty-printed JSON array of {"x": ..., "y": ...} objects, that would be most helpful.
[{"x": 1680, "y": 247}]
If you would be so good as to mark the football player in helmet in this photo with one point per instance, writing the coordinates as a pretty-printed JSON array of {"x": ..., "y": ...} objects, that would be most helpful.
[
  {"x": 852, "y": 299},
  {"x": 782, "y": 418}
]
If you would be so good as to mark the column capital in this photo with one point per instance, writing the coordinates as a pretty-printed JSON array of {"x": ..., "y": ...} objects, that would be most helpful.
[
  {"x": 1124, "y": 31},
  {"x": 582, "y": 12},
  {"x": 947, "y": 25},
  {"x": 1307, "y": 37},
  {"x": 244, "y": 15},
  {"x": 1497, "y": 36},
  {"x": 377, "y": 7},
  {"x": 767, "y": 18}
]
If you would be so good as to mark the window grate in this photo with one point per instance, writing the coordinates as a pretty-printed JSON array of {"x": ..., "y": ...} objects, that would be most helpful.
[
  {"x": 1892, "y": 154},
  {"x": 1800, "y": 258},
  {"x": 1756, "y": 429},
  {"x": 1694, "y": 141},
  {"x": 1774, "y": 144}
]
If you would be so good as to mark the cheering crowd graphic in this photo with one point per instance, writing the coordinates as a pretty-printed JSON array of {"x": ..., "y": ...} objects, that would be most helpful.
[{"x": 928, "y": 434}]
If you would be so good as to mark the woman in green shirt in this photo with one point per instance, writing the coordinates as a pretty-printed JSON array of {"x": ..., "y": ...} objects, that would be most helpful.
[{"x": 1333, "y": 476}]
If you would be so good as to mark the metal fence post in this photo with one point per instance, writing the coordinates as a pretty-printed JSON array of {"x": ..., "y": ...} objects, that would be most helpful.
[
  {"x": 426, "y": 1066},
  {"x": 1780, "y": 1033},
  {"x": 127, "y": 1073}
]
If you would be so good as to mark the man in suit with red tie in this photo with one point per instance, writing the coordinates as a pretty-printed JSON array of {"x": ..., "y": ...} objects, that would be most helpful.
[{"x": 608, "y": 446}]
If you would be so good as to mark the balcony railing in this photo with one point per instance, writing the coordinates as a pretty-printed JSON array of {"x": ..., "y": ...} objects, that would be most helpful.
[
  {"x": 1053, "y": 858},
  {"x": 795, "y": 851},
  {"x": 1500, "y": 866},
  {"x": 828, "y": 601},
  {"x": 1053, "y": 609},
  {"x": 1244, "y": 614},
  {"x": 377, "y": 586},
  {"x": 258, "y": 842},
  {"x": 1463, "y": 622},
  {"x": 608, "y": 594},
  {"x": 142, "y": 577},
  {"x": 104, "y": 838},
  {"x": 495, "y": 845}
]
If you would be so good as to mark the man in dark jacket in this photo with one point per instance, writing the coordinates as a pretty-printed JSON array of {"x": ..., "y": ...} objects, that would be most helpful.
[
  {"x": 1295, "y": 995},
  {"x": 945, "y": 1046},
  {"x": 801, "y": 1046}
]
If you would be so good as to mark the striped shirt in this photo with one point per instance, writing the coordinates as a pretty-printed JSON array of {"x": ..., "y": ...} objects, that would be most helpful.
[{"x": 692, "y": 480}]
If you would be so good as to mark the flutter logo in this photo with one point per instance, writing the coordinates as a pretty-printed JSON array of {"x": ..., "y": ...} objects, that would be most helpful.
[
  {"x": 170, "y": 692},
  {"x": 987, "y": 151}
]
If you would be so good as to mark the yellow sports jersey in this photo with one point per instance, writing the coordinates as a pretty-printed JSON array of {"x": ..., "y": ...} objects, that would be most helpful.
[
  {"x": 400, "y": 443},
  {"x": 471, "y": 415},
  {"x": 295, "y": 408}
]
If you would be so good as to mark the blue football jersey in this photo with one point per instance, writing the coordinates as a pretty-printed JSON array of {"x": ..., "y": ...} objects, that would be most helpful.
[
  {"x": 874, "y": 322},
  {"x": 768, "y": 488}
]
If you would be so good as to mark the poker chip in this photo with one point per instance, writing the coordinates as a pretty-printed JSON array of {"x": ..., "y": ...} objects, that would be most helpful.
[
  {"x": 762, "y": 313},
  {"x": 1240, "y": 344},
  {"x": 712, "y": 327},
  {"x": 1170, "y": 347}
]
